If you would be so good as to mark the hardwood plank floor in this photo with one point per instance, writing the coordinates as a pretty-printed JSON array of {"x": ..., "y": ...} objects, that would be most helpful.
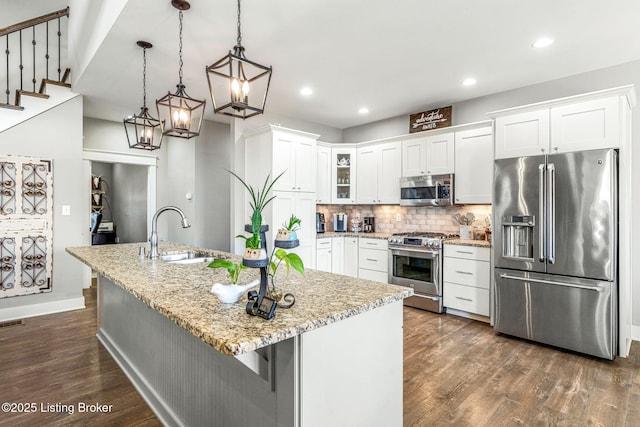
[{"x": 457, "y": 372}]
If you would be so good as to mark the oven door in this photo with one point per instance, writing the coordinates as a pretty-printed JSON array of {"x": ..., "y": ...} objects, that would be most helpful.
[{"x": 417, "y": 269}]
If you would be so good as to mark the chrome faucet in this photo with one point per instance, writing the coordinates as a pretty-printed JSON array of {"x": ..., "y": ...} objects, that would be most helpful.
[{"x": 153, "y": 252}]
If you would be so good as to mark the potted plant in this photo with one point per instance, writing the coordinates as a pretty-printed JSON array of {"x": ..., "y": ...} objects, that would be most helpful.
[
  {"x": 291, "y": 260},
  {"x": 259, "y": 200},
  {"x": 289, "y": 228},
  {"x": 230, "y": 293}
]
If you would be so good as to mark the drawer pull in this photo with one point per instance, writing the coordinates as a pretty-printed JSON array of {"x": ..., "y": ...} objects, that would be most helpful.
[
  {"x": 464, "y": 272},
  {"x": 372, "y": 260},
  {"x": 465, "y": 299},
  {"x": 370, "y": 243},
  {"x": 465, "y": 252}
]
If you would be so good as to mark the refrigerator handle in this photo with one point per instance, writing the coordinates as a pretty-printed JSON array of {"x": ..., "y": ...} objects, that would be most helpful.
[
  {"x": 542, "y": 224},
  {"x": 550, "y": 282},
  {"x": 551, "y": 211}
]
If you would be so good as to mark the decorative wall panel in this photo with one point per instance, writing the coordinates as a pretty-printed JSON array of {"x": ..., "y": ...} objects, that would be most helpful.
[{"x": 26, "y": 225}]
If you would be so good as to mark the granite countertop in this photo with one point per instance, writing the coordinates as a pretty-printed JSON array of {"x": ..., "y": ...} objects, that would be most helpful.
[
  {"x": 182, "y": 294},
  {"x": 330, "y": 234},
  {"x": 468, "y": 242}
]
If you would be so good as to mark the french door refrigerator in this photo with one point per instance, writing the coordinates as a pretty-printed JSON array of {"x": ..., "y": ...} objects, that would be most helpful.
[{"x": 555, "y": 250}]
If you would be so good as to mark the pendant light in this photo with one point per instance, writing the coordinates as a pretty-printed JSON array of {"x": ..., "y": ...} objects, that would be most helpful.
[
  {"x": 238, "y": 86},
  {"x": 141, "y": 128},
  {"x": 180, "y": 115}
]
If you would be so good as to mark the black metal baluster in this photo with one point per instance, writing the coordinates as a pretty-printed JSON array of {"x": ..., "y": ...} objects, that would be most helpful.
[
  {"x": 46, "y": 56},
  {"x": 7, "y": 55},
  {"x": 33, "y": 43},
  {"x": 21, "y": 65},
  {"x": 59, "y": 34}
]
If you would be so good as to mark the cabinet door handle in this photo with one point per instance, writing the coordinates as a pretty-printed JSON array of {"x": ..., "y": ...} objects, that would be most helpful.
[
  {"x": 372, "y": 260},
  {"x": 465, "y": 299},
  {"x": 465, "y": 252},
  {"x": 369, "y": 243},
  {"x": 464, "y": 272}
]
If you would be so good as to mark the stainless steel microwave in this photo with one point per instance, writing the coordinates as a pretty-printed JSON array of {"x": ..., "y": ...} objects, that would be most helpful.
[{"x": 426, "y": 190}]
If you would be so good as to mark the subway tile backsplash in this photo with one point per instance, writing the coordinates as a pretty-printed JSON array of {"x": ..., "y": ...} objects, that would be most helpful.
[{"x": 412, "y": 218}]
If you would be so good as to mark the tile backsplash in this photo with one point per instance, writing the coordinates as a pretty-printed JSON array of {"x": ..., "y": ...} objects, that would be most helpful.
[{"x": 411, "y": 218}]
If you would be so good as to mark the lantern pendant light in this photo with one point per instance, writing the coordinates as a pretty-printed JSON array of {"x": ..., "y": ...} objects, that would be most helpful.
[
  {"x": 238, "y": 86},
  {"x": 180, "y": 115},
  {"x": 141, "y": 128}
]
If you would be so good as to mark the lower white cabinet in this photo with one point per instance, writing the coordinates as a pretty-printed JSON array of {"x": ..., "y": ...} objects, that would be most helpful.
[
  {"x": 466, "y": 277},
  {"x": 323, "y": 254},
  {"x": 350, "y": 267},
  {"x": 373, "y": 259},
  {"x": 337, "y": 255}
]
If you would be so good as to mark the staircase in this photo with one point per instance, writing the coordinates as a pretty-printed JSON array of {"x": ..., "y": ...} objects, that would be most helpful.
[{"x": 35, "y": 54}]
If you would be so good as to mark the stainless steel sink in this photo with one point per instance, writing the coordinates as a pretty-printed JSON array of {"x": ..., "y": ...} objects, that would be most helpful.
[{"x": 188, "y": 257}]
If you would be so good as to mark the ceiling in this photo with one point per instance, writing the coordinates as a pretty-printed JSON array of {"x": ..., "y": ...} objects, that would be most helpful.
[{"x": 394, "y": 58}]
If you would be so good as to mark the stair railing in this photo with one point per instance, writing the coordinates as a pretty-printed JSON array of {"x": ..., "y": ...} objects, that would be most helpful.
[{"x": 29, "y": 27}]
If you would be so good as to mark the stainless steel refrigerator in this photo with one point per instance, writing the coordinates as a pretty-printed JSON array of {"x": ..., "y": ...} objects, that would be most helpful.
[{"x": 555, "y": 250}]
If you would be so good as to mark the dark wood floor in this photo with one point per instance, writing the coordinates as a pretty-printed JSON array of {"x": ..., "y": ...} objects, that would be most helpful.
[{"x": 456, "y": 372}]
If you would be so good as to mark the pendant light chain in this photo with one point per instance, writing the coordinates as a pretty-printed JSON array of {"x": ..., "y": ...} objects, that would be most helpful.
[
  {"x": 239, "y": 33},
  {"x": 180, "y": 49},
  {"x": 144, "y": 78}
]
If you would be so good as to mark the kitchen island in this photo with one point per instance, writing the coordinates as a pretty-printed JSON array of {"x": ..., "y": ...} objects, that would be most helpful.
[{"x": 334, "y": 358}]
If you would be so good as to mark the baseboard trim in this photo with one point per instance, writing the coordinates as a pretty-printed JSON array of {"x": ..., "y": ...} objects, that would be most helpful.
[
  {"x": 635, "y": 333},
  {"x": 33, "y": 310}
]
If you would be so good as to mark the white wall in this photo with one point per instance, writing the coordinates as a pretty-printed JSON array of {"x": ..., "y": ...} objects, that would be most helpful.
[
  {"x": 476, "y": 109},
  {"x": 56, "y": 134}
]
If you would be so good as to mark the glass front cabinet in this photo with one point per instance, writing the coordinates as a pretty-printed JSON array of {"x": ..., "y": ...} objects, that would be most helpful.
[{"x": 343, "y": 176}]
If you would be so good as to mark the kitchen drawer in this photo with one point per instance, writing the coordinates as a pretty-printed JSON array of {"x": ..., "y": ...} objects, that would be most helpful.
[
  {"x": 466, "y": 298},
  {"x": 466, "y": 272},
  {"x": 324, "y": 243},
  {"x": 381, "y": 244},
  {"x": 468, "y": 252},
  {"x": 373, "y": 259},
  {"x": 376, "y": 276}
]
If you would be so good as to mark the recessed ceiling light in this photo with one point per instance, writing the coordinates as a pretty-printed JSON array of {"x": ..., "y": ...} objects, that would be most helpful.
[
  {"x": 306, "y": 91},
  {"x": 469, "y": 81},
  {"x": 363, "y": 110},
  {"x": 542, "y": 42}
]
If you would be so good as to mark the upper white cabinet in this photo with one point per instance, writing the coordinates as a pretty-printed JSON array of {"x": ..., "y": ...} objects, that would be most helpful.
[
  {"x": 378, "y": 173},
  {"x": 295, "y": 155},
  {"x": 473, "y": 182},
  {"x": 523, "y": 134},
  {"x": 323, "y": 181},
  {"x": 429, "y": 155},
  {"x": 583, "y": 122},
  {"x": 343, "y": 175}
]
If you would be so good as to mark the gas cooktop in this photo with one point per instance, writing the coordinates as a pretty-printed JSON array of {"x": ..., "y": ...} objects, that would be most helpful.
[{"x": 425, "y": 239}]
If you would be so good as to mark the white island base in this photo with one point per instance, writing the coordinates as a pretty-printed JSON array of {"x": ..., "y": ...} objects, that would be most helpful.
[{"x": 347, "y": 373}]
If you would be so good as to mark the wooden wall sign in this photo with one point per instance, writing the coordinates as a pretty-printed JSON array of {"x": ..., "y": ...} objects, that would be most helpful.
[{"x": 429, "y": 120}]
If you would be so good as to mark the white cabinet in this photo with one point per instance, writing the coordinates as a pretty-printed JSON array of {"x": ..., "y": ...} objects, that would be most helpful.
[
  {"x": 337, "y": 255},
  {"x": 583, "y": 122},
  {"x": 523, "y": 134},
  {"x": 323, "y": 180},
  {"x": 350, "y": 266},
  {"x": 430, "y": 155},
  {"x": 466, "y": 278},
  {"x": 323, "y": 254},
  {"x": 343, "y": 174},
  {"x": 473, "y": 182},
  {"x": 373, "y": 259},
  {"x": 295, "y": 155},
  {"x": 586, "y": 125},
  {"x": 378, "y": 173}
]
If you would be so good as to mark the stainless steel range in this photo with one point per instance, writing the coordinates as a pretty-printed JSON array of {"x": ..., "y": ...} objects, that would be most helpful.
[{"x": 415, "y": 260}]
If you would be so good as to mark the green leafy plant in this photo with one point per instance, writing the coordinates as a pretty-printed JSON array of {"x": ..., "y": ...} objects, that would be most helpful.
[
  {"x": 293, "y": 224},
  {"x": 232, "y": 268},
  {"x": 259, "y": 199},
  {"x": 290, "y": 259}
]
